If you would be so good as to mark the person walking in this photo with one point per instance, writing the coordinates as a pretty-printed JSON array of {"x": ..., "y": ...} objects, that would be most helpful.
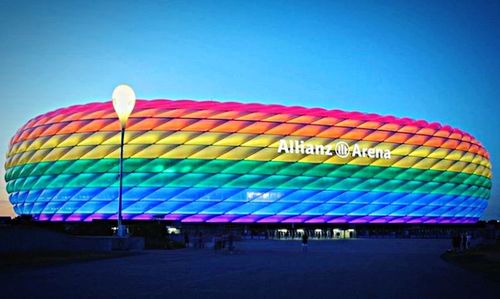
[
  {"x": 305, "y": 239},
  {"x": 463, "y": 241},
  {"x": 186, "y": 239},
  {"x": 468, "y": 237}
]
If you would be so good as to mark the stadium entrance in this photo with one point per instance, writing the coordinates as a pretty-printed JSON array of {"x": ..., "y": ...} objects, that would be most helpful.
[{"x": 313, "y": 233}]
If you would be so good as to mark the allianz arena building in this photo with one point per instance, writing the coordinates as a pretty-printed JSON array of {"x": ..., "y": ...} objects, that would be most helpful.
[{"x": 214, "y": 162}]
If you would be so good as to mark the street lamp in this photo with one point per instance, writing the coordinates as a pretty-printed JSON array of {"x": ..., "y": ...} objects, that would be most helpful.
[{"x": 123, "y": 103}]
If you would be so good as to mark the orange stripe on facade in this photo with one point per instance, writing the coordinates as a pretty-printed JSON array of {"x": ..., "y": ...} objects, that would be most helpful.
[{"x": 217, "y": 125}]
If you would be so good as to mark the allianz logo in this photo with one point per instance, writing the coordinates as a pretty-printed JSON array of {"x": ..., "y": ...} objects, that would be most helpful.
[{"x": 341, "y": 149}]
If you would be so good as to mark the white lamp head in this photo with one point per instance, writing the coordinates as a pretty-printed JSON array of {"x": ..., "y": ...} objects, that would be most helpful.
[{"x": 123, "y": 102}]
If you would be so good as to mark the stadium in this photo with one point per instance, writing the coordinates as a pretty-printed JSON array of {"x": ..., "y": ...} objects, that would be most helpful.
[{"x": 227, "y": 162}]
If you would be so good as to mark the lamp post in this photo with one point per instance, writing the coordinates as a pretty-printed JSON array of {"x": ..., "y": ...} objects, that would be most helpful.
[{"x": 123, "y": 103}]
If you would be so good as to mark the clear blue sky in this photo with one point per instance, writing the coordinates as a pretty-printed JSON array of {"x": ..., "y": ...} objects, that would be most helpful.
[{"x": 438, "y": 62}]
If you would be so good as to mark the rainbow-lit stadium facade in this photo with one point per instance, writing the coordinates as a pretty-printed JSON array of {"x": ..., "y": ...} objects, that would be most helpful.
[{"x": 205, "y": 161}]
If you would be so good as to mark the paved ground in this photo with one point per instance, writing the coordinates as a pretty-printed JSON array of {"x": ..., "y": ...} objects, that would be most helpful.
[{"x": 373, "y": 268}]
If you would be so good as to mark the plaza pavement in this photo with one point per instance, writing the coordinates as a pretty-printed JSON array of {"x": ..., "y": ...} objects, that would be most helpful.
[{"x": 356, "y": 268}]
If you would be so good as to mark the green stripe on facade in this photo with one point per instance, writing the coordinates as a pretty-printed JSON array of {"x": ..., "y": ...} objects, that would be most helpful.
[{"x": 243, "y": 174}]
